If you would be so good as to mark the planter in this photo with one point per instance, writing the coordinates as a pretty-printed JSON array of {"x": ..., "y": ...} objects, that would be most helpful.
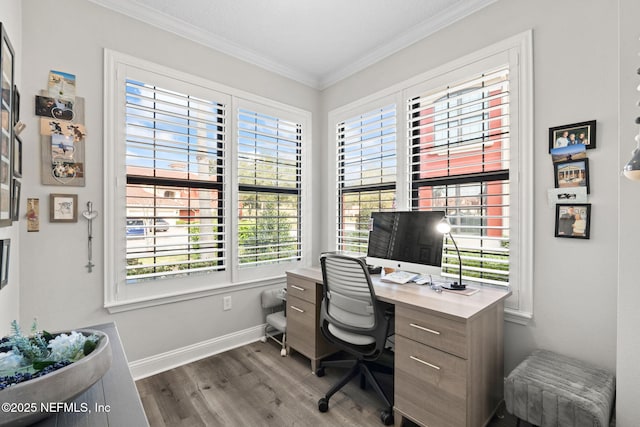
[{"x": 32, "y": 400}]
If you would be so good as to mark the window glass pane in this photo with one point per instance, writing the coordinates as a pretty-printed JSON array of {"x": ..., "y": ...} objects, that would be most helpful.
[
  {"x": 460, "y": 164},
  {"x": 355, "y": 213},
  {"x": 269, "y": 177},
  {"x": 366, "y": 159},
  {"x": 268, "y": 229},
  {"x": 173, "y": 231},
  {"x": 175, "y": 169}
]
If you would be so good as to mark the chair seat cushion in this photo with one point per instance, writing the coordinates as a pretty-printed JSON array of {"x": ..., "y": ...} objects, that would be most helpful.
[
  {"x": 548, "y": 389},
  {"x": 350, "y": 337},
  {"x": 277, "y": 320}
]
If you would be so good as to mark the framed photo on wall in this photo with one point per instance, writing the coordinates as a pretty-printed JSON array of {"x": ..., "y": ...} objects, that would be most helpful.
[
  {"x": 577, "y": 133},
  {"x": 7, "y": 112},
  {"x": 572, "y": 173},
  {"x": 573, "y": 220},
  {"x": 5, "y": 245},
  {"x": 15, "y": 200},
  {"x": 63, "y": 208},
  {"x": 17, "y": 157}
]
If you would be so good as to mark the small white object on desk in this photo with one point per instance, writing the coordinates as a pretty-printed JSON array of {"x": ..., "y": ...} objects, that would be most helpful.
[{"x": 400, "y": 277}]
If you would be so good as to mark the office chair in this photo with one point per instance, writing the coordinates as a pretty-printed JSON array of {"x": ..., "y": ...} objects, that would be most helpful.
[
  {"x": 355, "y": 322},
  {"x": 276, "y": 321}
]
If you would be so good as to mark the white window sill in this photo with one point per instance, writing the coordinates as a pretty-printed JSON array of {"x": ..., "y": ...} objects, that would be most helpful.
[
  {"x": 121, "y": 306},
  {"x": 519, "y": 317}
]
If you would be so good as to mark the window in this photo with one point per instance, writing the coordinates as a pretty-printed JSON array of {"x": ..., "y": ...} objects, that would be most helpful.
[
  {"x": 366, "y": 173},
  {"x": 270, "y": 190},
  {"x": 175, "y": 157},
  {"x": 464, "y": 145},
  {"x": 460, "y": 160},
  {"x": 205, "y": 186}
]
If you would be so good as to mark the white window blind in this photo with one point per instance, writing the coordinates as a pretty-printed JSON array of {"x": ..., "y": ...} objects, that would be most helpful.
[
  {"x": 270, "y": 188},
  {"x": 175, "y": 167},
  {"x": 460, "y": 154},
  {"x": 366, "y": 173}
]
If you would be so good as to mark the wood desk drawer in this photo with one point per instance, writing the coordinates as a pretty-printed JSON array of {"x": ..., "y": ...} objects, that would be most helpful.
[
  {"x": 301, "y": 326},
  {"x": 300, "y": 288},
  {"x": 430, "y": 384},
  {"x": 439, "y": 332}
]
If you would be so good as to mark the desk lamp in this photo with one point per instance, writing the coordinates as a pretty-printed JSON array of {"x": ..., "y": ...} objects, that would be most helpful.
[{"x": 444, "y": 227}]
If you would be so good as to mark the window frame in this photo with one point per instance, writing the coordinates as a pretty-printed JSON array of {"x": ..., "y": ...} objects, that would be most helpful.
[
  {"x": 517, "y": 52},
  {"x": 380, "y": 187},
  {"x": 242, "y": 274},
  {"x": 120, "y": 296}
]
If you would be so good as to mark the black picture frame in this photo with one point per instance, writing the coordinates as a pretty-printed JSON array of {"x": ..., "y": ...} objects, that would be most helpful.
[
  {"x": 4, "y": 262},
  {"x": 17, "y": 157},
  {"x": 572, "y": 173},
  {"x": 573, "y": 220},
  {"x": 16, "y": 105},
  {"x": 588, "y": 128},
  {"x": 15, "y": 200},
  {"x": 7, "y": 110}
]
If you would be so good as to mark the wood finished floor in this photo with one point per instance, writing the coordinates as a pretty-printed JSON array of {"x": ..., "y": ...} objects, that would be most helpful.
[{"x": 254, "y": 386}]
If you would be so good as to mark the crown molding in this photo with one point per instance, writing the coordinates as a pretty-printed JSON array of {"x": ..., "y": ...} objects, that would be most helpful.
[
  {"x": 184, "y": 29},
  {"x": 195, "y": 34},
  {"x": 409, "y": 37}
]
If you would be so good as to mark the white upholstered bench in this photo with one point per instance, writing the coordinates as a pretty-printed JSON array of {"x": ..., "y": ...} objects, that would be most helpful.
[{"x": 548, "y": 389}]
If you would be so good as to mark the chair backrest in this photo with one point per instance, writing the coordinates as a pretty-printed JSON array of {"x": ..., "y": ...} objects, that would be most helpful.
[
  {"x": 271, "y": 298},
  {"x": 350, "y": 316}
]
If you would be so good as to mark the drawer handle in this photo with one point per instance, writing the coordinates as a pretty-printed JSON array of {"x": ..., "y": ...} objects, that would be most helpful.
[
  {"x": 422, "y": 328},
  {"x": 298, "y": 288},
  {"x": 424, "y": 363},
  {"x": 299, "y": 310}
]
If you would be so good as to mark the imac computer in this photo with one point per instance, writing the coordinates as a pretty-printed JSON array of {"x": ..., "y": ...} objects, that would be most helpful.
[{"x": 406, "y": 241}]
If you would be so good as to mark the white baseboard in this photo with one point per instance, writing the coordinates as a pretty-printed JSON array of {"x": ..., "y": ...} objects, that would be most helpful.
[{"x": 152, "y": 365}]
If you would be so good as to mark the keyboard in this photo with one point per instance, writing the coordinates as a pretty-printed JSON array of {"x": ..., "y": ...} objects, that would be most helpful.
[{"x": 400, "y": 277}]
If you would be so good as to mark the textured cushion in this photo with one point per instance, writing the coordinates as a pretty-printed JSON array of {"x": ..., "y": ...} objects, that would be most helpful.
[
  {"x": 278, "y": 321},
  {"x": 548, "y": 389}
]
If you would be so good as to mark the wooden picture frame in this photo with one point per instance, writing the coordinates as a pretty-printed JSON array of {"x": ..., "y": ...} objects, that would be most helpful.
[
  {"x": 573, "y": 220},
  {"x": 572, "y": 173},
  {"x": 5, "y": 246},
  {"x": 63, "y": 208},
  {"x": 561, "y": 136}
]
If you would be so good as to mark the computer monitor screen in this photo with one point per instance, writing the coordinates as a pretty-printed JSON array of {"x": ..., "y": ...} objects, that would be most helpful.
[{"x": 406, "y": 241}]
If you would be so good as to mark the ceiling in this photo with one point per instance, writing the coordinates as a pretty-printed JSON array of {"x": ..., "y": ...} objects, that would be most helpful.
[{"x": 316, "y": 42}]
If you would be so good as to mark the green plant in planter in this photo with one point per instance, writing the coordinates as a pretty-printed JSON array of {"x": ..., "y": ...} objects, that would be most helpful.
[{"x": 25, "y": 357}]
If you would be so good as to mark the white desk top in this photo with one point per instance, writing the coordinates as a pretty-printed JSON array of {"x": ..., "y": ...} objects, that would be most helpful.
[{"x": 423, "y": 297}]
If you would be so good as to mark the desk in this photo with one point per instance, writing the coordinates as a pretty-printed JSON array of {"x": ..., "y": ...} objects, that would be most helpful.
[
  {"x": 449, "y": 367},
  {"x": 116, "y": 389}
]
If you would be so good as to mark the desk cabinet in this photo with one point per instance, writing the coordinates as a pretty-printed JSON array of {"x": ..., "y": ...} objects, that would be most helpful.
[
  {"x": 448, "y": 348},
  {"x": 448, "y": 372},
  {"x": 304, "y": 297}
]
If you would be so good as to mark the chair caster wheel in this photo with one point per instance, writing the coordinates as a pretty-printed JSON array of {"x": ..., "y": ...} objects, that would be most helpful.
[
  {"x": 263, "y": 339},
  {"x": 323, "y": 405},
  {"x": 320, "y": 372},
  {"x": 386, "y": 417},
  {"x": 283, "y": 352}
]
